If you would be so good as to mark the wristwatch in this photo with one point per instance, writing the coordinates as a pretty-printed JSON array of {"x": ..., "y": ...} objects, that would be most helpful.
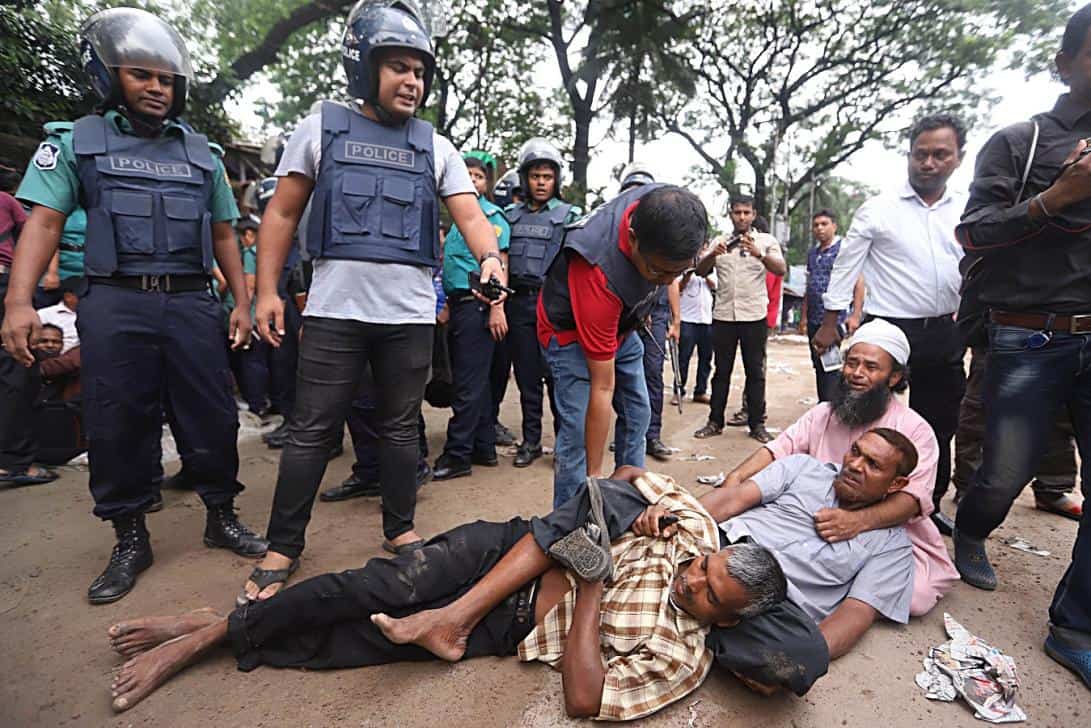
[{"x": 493, "y": 254}]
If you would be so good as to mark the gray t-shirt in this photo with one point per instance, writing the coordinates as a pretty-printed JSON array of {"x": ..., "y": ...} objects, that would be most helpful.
[
  {"x": 379, "y": 293},
  {"x": 876, "y": 567}
]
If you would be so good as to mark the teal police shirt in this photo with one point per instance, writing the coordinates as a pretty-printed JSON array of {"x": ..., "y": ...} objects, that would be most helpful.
[
  {"x": 71, "y": 259},
  {"x": 458, "y": 261},
  {"x": 51, "y": 179}
]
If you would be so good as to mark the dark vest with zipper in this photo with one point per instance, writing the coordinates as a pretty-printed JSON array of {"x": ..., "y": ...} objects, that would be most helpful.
[
  {"x": 595, "y": 238},
  {"x": 375, "y": 197},
  {"x": 148, "y": 200},
  {"x": 535, "y": 241}
]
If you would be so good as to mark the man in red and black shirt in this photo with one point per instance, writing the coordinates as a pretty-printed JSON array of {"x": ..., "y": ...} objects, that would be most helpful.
[{"x": 598, "y": 291}]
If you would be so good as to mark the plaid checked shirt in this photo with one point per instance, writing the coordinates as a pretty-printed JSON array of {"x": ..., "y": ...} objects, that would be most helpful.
[{"x": 654, "y": 652}]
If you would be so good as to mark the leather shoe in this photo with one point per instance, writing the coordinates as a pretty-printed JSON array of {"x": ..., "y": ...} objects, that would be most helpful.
[
  {"x": 276, "y": 439},
  {"x": 658, "y": 450},
  {"x": 944, "y": 522},
  {"x": 132, "y": 554},
  {"x": 335, "y": 452},
  {"x": 446, "y": 469},
  {"x": 527, "y": 454},
  {"x": 701, "y": 398},
  {"x": 504, "y": 436},
  {"x": 224, "y": 530},
  {"x": 489, "y": 460},
  {"x": 351, "y": 487},
  {"x": 424, "y": 474}
]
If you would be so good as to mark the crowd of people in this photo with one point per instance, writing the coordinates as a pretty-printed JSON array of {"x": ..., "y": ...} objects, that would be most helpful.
[{"x": 137, "y": 294}]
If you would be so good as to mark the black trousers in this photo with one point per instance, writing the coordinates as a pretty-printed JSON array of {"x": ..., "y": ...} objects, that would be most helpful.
[
  {"x": 333, "y": 354},
  {"x": 19, "y": 388},
  {"x": 825, "y": 382},
  {"x": 284, "y": 359},
  {"x": 471, "y": 428},
  {"x": 937, "y": 383},
  {"x": 529, "y": 363},
  {"x": 499, "y": 372},
  {"x": 750, "y": 336},
  {"x": 323, "y": 622}
]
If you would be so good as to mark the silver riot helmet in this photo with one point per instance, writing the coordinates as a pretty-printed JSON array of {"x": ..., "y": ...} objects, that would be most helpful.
[
  {"x": 507, "y": 188},
  {"x": 635, "y": 174},
  {"x": 534, "y": 151},
  {"x": 132, "y": 37},
  {"x": 376, "y": 24}
]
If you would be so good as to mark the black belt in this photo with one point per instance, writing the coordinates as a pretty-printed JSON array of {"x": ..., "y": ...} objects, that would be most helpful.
[
  {"x": 462, "y": 296},
  {"x": 1056, "y": 323},
  {"x": 526, "y": 290},
  {"x": 167, "y": 283},
  {"x": 924, "y": 322}
]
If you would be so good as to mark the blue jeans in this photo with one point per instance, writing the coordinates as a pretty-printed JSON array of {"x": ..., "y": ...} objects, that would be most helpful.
[
  {"x": 572, "y": 389},
  {"x": 1024, "y": 388}
]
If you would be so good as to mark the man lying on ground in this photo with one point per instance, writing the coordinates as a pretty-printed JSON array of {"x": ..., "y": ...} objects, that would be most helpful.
[
  {"x": 625, "y": 648},
  {"x": 840, "y": 586},
  {"x": 874, "y": 371}
]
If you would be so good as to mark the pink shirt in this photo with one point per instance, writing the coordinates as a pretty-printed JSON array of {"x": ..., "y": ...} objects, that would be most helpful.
[
  {"x": 821, "y": 435},
  {"x": 11, "y": 215}
]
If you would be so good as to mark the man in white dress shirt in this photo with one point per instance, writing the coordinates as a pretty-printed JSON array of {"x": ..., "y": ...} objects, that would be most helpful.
[{"x": 904, "y": 244}]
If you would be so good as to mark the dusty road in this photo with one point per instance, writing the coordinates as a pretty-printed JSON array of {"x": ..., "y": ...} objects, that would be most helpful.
[{"x": 57, "y": 663}]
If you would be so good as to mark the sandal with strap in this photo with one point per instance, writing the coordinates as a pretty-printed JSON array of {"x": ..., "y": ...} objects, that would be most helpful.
[
  {"x": 266, "y": 577},
  {"x": 22, "y": 478},
  {"x": 1063, "y": 505}
]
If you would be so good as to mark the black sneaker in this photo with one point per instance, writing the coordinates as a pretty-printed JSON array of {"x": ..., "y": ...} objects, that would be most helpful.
[
  {"x": 132, "y": 554},
  {"x": 224, "y": 530}
]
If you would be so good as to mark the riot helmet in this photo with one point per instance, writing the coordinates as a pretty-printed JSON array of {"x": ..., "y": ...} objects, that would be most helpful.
[
  {"x": 132, "y": 37},
  {"x": 375, "y": 24},
  {"x": 507, "y": 188},
  {"x": 535, "y": 151},
  {"x": 635, "y": 174}
]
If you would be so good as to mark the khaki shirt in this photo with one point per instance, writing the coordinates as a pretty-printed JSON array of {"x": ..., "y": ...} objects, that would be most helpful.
[{"x": 740, "y": 281}]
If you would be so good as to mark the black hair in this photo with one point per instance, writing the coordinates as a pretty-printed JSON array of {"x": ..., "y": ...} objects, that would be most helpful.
[
  {"x": 9, "y": 179},
  {"x": 760, "y": 224},
  {"x": 825, "y": 212},
  {"x": 939, "y": 121},
  {"x": 741, "y": 200},
  {"x": 908, "y": 461},
  {"x": 672, "y": 222},
  {"x": 474, "y": 162},
  {"x": 54, "y": 326},
  {"x": 1075, "y": 31},
  {"x": 902, "y": 369}
]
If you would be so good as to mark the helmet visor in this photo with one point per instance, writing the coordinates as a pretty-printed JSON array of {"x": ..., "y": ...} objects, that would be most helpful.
[{"x": 136, "y": 38}]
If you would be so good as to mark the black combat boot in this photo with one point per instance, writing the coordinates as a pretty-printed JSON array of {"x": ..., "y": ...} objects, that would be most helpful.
[
  {"x": 224, "y": 530},
  {"x": 132, "y": 554}
]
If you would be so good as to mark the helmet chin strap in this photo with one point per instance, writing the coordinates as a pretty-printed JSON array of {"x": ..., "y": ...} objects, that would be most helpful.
[{"x": 144, "y": 125}]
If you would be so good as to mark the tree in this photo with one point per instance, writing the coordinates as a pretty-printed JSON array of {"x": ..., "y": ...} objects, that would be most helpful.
[{"x": 795, "y": 88}]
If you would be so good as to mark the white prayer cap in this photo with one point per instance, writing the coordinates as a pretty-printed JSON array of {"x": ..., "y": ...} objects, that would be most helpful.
[{"x": 884, "y": 335}]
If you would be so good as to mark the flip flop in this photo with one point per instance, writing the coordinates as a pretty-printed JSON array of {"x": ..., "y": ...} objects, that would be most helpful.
[
  {"x": 405, "y": 548},
  {"x": 1058, "y": 505},
  {"x": 266, "y": 577},
  {"x": 24, "y": 478}
]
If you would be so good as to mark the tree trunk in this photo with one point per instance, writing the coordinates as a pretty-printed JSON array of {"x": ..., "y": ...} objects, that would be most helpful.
[{"x": 581, "y": 147}]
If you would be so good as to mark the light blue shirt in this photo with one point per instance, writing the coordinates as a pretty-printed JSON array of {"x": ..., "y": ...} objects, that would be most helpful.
[{"x": 875, "y": 567}]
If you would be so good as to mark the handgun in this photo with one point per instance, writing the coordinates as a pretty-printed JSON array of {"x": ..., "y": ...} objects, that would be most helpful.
[
  {"x": 665, "y": 521},
  {"x": 492, "y": 289}
]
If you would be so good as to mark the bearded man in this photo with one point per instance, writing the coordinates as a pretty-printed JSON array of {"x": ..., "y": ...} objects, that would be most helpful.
[{"x": 874, "y": 371}]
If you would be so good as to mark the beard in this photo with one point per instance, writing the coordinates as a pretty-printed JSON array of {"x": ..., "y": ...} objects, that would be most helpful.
[{"x": 856, "y": 409}]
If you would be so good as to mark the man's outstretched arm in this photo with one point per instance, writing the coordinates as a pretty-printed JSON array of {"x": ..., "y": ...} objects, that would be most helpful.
[
  {"x": 582, "y": 671},
  {"x": 747, "y": 469},
  {"x": 846, "y": 625},
  {"x": 731, "y": 500}
]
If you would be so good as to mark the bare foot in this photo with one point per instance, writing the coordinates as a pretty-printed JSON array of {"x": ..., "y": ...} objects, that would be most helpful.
[
  {"x": 141, "y": 675},
  {"x": 271, "y": 560},
  {"x": 432, "y": 629},
  {"x": 134, "y": 636}
]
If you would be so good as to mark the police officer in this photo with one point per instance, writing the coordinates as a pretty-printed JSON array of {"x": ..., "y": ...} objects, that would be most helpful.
[
  {"x": 664, "y": 321},
  {"x": 537, "y": 229},
  {"x": 159, "y": 210},
  {"x": 597, "y": 292},
  {"x": 475, "y": 329},
  {"x": 507, "y": 191},
  {"x": 377, "y": 174}
]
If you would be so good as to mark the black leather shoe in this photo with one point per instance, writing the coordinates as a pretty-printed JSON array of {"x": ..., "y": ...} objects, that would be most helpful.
[
  {"x": 504, "y": 436},
  {"x": 276, "y": 439},
  {"x": 351, "y": 487},
  {"x": 656, "y": 449},
  {"x": 445, "y": 469},
  {"x": 424, "y": 474},
  {"x": 527, "y": 454},
  {"x": 224, "y": 530},
  {"x": 335, "y": 452},
  {"x": 132, "y": 554},
  {"x": 489, "y": 460}
]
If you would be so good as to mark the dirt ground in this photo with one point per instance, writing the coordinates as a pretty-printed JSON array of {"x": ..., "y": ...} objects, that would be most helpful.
[{"x": 57, "y": 662}]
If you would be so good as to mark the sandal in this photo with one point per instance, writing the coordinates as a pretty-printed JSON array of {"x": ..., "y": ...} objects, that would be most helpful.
[
  {"x": 263, "y": 578},
  {"x": 709, "y": 430},
  {"x": 1062, "y": 505},
  {"x": 23, "y": 477},
  {"x": 405, "y": 548},
  {"x": 586, "y": 550}
]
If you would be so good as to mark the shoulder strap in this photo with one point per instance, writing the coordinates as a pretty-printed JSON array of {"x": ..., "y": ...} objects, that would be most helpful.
[
  {"x": 420, "y": 134},
  {"x": 559, "y": 213},
  {"x": 1030, "y": 162},
  {"x": 197, "y": 151},
  {"x": 89, "y": 135},
  {"x": 335, "y": 117}
]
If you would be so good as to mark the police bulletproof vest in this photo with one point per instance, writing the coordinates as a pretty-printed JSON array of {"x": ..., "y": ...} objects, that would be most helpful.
[
  {"x": 375, "y": 196},
  {"x": 148, "y": 201},
  {"x": 535, "y": 240},
  {"x": 595, "y": 238}
]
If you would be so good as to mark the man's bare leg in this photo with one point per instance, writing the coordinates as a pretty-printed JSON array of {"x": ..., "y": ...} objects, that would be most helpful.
[
  {"x": 444, "y": 631},
  {"x": 141, "y": 675},
  {"x": 134, "y": 636}
]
